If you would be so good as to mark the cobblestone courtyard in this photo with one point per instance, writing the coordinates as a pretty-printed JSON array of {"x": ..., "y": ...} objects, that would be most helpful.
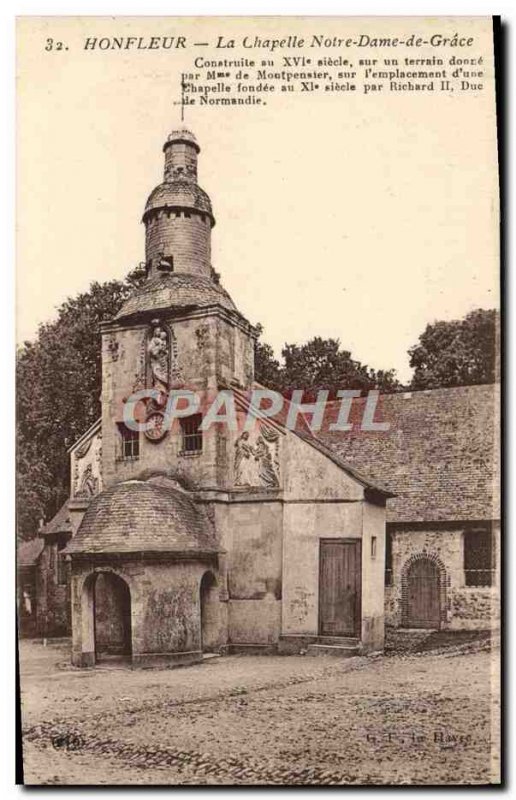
[{"x": 262, "y": 720}]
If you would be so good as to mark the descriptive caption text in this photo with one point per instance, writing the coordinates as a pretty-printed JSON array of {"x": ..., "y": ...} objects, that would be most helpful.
[{"x": 272, "y": 68}]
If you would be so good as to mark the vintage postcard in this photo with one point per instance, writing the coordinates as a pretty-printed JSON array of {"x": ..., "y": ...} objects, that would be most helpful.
[{"x": 258, "y": 403}]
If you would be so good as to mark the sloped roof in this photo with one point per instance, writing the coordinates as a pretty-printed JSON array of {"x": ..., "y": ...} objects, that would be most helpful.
[
  {"x": 29, "y": 552},
  {"x": 60, "y": 523},
  {"x": 440, "y": 456},
  {"x": 144, "y": 516},
  {"x": 179, "y": 194},
  {"x": 92, "y": 430},
  {"x": 171, "y": 290}
]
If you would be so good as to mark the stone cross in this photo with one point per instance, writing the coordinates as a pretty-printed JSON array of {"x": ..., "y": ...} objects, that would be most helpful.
[{"x": 182, "y": 101}]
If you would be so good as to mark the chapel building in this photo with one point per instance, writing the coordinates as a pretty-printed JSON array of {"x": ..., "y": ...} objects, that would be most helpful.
[
  {"x": 258, "y": 539},
  {"x": 185, "y": 540}
]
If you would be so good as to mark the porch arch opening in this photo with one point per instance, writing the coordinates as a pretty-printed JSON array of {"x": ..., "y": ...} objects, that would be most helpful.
[
  {"x": 209, "y": 604},
  {"x": 106, "y": 605}
]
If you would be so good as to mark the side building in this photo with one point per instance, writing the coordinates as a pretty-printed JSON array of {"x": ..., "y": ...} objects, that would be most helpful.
[{"x": 441, "y": 458}]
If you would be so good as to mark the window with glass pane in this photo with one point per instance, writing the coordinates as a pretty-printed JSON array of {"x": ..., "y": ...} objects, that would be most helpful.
[
  {"x": 130, "y": 442},
  {"x": 478, "y": 557},
  {"x": 191, "y": 435}
]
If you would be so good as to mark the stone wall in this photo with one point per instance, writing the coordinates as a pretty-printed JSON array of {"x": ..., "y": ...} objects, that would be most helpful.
[
  {"x": 250, "y": 531},
  {"x": 165, "y": 610},
  {"x": 53, "y": 598},
  {"x": 305, "y": 525},
  {"x": 322, "y": 501},
  {"x": 373, "y": 570},
  {"x": 462, "y": 607},
  {"x": 185, "y": 235},
  {"x": 210, "y": 351}
]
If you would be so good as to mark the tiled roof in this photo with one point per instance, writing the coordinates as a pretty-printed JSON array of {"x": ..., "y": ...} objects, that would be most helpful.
[
  {"x": 176, "y": 290},
  {"x": 60, "y": 523},
  {"x": 179, "y": 194},
  {"x": 29, "y": 552},
  {"x": 144, "y": 516},
  {"x": 440, "y": 455}
]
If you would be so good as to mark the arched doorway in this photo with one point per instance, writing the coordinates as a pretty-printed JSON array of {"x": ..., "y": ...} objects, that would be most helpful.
[
  {"x": 106, "y": 617},
  {"x": 423, "y": 594},
  {"x": 112, "y": 609},
  {"x": 209, "y": 599}
]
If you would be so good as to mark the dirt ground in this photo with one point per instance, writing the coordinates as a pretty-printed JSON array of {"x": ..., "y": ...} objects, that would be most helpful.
[{"x": 409, "y": 718}]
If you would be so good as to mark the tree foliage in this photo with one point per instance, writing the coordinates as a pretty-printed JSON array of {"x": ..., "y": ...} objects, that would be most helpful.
[
  {"x": 460, "y": 352},
  {"x": 58, "y": 379},
  {"x": 318, "y": 364}
]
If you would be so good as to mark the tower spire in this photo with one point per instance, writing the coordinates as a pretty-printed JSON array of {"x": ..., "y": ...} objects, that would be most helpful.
[
  {"x": 178, "y": 216},
  {"x": 181, "y": 101}
]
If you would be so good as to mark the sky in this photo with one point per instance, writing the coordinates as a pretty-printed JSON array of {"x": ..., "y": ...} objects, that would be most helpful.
[{"x": 360, "y": 218}]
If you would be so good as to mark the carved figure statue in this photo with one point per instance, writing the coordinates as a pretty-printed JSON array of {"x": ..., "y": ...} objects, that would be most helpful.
[
  {"x": 266, "y": 469},
  {"x": 245, "y": 467},
  {"x": 89, "y": 483},
  {"x": 159, "y": 358},
  {"x": 254, "y": 464}
]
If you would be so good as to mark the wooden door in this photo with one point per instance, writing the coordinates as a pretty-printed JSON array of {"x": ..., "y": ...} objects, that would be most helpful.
[
  {"x": 340, "y": 570},
  {"x": 424, "y": 608}
]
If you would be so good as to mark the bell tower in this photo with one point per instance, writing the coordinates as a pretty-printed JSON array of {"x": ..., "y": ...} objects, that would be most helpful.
[
  {"x": 178, "y": 216},
  {"x": 179, "y": 329}
]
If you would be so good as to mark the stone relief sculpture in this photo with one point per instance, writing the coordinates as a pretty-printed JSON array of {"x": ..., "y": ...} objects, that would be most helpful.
[
  {"x": 257, "y": 464},
  {"x": 266, "y": 471},
  {"x": 159, "y": 357},
  {"x": 86, "y": 480},
  {"x": 83, "y": 449},
  {"x": 244, "y": 461},
  {"x": 163, "y": 358},
  {"x": 75, "y": 487},
  {"x": 89, "y": 483}
]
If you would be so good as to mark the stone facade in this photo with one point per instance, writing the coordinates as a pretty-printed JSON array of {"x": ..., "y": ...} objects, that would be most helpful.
[
  {"x": 187, "y": 237},
  {"x": 440, "y": 458},
  {"x": 164, "y": 611},
  {"x": 212, "y": 349},
  {"x": 462, "y": 607},
  {"x": 196, "y": 540},
  {"x": 53, "y": 592}
]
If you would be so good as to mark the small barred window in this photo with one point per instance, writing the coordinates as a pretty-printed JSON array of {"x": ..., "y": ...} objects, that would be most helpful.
[
  {"x": 478, "y": 557},
  {"x": 130, "y": 442},
  {"x": 191, "y": 434}
]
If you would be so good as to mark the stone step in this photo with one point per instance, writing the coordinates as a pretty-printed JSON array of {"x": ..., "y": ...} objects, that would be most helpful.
[
  {"x": 340, "y": 640},
  {"x": 344, "y": 651}
]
